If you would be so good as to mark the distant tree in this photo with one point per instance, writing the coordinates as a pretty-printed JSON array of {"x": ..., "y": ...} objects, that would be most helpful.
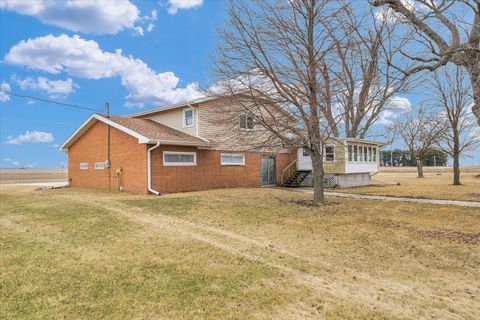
[
  {"x": 436, "y": 157},
  {"x": 420, "y": 131},
  {"x": 452, "y": 95}
]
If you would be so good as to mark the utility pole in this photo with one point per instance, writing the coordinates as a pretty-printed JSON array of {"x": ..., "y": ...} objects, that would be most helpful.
[{"x": 107, "y": 162}]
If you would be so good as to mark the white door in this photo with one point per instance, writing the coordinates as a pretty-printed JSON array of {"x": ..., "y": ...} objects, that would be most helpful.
[{"x": 304, "y": 162}]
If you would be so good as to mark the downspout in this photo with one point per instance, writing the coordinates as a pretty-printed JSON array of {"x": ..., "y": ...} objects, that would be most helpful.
[
  {"x": 149, "y": 171},
  {"x": 196, "y": 119}
]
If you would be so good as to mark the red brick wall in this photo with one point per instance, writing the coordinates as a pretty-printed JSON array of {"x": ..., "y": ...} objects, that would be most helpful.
[
  {"x": 208, "y": 173},
  {"x": 125, "y": 153}
]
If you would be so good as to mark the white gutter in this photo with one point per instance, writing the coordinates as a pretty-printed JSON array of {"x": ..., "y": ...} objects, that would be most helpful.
[{"x": 149, "y": 169}]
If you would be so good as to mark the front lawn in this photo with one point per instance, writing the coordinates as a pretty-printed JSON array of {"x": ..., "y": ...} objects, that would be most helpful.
[{"x": 233, "y": 254}]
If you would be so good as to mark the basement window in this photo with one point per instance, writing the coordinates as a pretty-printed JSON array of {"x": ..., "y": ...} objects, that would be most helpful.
[
  {"x": 83, "y": 165},
  {"x": 173, "y": 158},
  {"x": 228, "y": 159},
  {"x": 330, "y": 153},
  {"x": 99, "y": 165}
]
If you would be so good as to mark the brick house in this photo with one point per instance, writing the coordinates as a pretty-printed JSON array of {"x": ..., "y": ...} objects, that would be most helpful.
[{"x": 194, "y": 146}]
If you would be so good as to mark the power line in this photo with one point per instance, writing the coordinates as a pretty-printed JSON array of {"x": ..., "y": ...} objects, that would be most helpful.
[{"x": 51, "y": 101}]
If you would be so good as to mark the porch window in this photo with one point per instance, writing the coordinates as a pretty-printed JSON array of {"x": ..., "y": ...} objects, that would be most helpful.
[
  {"x": 172, "y": 158},
  {"x": 374, "y": 154},
  {"x": 369, "y": 154},
  {"x": 188, "y": 120},
  {"x": 246, "y": 122},
  {"x": 355, "y": 153},
  {"x": 365, "y": 154},
  {"x": 305, "y": 152},
  {"x": 330, "y": 153},
  {"x": 360, "y": 154},
  {"x": 228, "y": 159},
  {"x": 350, "y": 153}
]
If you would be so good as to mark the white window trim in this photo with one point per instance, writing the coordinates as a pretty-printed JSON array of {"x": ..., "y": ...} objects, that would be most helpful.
[
  {"x": 334, "y": 151},
  {"x": 246, "y": 122},
  {"x": 180, "y": 164},
  {"x": 232, "y": 155},
  {"x": 102, "y": 168},
  {"x": 84, "y": 168},
  {"x": 184, "y": 118}
]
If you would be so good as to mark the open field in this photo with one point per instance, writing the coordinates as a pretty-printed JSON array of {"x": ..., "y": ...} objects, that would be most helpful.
[
  {"x": 233, "y": 254},
  {"x": 433, "y": 186},
  {"x": 31, "y": 175}
]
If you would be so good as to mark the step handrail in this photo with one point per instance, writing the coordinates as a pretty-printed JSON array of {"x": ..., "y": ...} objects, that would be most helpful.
[{"x": 288, "y": 170}]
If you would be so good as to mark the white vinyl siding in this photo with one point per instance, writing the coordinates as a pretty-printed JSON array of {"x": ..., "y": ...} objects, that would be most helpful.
[
  {"x": 83, "y": 165},
  {"x": 99, "y": 165},
  {"x": 228, "y": 159},
  {"x": 173, "y": 158}
]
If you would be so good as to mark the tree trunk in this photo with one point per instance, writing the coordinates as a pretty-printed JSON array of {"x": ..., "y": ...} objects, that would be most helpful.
[
  {"x": 456, "y": 159},
  {"x": 474, "y": 75},
  {"x": 317, "y": 164},
  {"x": 420, "y": 168}
]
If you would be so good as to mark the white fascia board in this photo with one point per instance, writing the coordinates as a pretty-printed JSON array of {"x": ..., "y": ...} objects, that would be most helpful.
[
  {"x": 174, "y": 106},
  {"x": 94, "y": 117}
]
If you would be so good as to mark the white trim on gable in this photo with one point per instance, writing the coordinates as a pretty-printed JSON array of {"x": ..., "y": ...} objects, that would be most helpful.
[{"x": 90, "y": 121}]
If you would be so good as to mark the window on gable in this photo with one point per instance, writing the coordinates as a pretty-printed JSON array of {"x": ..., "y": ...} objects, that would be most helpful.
[
  {"x": 188, "y": 119},
  {"x": 305, "y": 152},
  {"x": 246, "y": 122},
  {"x": 330, "y": 153},
  {"x": 227, "y": 159},
  {"x": 172, "y": 158}
]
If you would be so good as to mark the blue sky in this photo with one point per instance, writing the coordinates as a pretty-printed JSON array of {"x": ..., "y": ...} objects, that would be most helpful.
[
  {"x": 179, "y": 45},
  {"x": 134, "y": 54}
]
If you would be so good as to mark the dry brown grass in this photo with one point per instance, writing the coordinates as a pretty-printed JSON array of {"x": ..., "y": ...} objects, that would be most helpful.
[
  {"x": 234, "y": 254},
  {"x": 465, "y": 169},
  {"x": 31, "y": 175},
  {"x": 433, "y": 186}
]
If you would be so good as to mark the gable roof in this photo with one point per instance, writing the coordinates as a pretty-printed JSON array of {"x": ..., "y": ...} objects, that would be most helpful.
[{"x": 145, "y": 130}]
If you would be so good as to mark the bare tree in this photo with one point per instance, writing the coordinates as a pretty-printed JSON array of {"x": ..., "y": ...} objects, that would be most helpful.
[
  {"x": 270, "y": 62},
  {"x": 453, "y": 95},
  {"x": 420, "y": 131},
  {"x": 366, "y": 81},
  {"x": 441, "y": 34}
]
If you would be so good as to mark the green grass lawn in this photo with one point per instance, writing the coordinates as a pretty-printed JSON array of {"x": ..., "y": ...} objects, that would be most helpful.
[{"x": 233, "y": 254}]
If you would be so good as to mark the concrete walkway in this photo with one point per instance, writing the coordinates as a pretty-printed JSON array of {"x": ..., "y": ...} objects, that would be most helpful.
[{"x": 389, "y": 198}]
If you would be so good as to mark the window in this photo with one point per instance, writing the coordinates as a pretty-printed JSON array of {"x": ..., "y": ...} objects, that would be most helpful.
[
  {"x": 360, "y": 153},
  {"x": 330, "y": 153},
  {"x": 350, "y": 153},
  {"x": 305, "y": 152},
  {"x": 365, "y": 154},
  {"x": 227, "y": 159},
  {"x": 246, "y": 122},
  {"x": 374, "y": 154},
  {"x": 188, "y": 120},
  {"x": 355, "y": 153},
  {"x": 369, "y": 154},
  {"x": 171, "y": 158},
  {"x": 83, "y": 165},
  {"x": 99, "y": 165}
]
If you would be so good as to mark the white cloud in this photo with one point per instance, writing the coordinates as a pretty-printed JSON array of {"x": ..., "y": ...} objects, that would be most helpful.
[
  {"x": 150, "y": 27},
  {"x": 88, "y": 16},
  {"x": 175, "y": 5},
  {"x": 4, "y": 96},
  {"x": 31, "y": 165},
  {"x": 55, "y": 88},
  {"x": 16, "y": 163},
  {"x": 138, "y": 30},
  {"x": 81, "y": 58},
  {"x": 399, "y": 103},
  {"x": 6, "y": 160},
  {"x": 31, "y": 137}
]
